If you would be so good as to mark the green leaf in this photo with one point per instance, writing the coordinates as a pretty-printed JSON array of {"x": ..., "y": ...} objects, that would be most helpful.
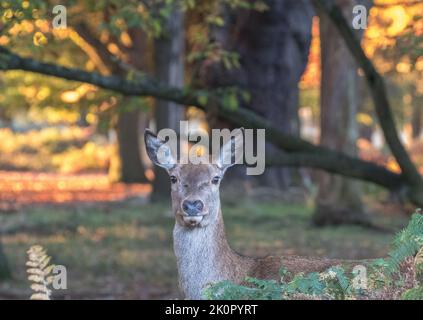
[
  {"x": 230, "y": 101},
  {"x": 203, "y": 98}
]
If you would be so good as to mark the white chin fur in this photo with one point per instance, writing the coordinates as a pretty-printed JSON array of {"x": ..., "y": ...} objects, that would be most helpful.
[{"x": 193, "y": 221}]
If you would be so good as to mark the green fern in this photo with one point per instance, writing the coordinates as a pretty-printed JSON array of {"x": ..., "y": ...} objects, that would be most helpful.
[
  {"x": 39, "y": 273},
  {"x": 413, "y": 294},
  {"x": 406, "y": 244},
  {"x": 336, "y": 283}
]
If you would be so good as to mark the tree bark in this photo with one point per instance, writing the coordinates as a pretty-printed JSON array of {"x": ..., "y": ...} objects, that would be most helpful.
[
  {"x": 273, "y": 50},
  {"x": 169, "y": 65},
  {"x": 128, "y": 137},
  {"x": 131, "y": 124},
  {"x": 417, "y": 117},
  {"x": 5, "y": 272},
  {"x": 339, "y": 199}
]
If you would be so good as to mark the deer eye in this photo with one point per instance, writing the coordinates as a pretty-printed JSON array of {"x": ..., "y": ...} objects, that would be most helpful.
[
  {"x": 215, "y": 180},
  {"x": 173, "y": 179}
]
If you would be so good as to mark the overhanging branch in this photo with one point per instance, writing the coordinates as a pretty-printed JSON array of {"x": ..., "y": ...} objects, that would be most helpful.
[{"x": 356, "y": 168}]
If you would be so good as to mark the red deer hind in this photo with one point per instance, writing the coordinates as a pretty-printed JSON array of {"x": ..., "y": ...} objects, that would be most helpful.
[{"x": 201, "y": 248}]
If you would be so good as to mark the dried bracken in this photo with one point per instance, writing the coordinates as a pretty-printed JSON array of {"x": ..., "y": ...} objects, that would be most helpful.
[{"x": 39, "y": 273}]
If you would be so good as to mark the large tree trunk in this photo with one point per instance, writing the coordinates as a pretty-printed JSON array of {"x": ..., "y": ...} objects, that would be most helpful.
[
  {"x": 273, "y": 49},
  {"x": 128, "y": 137},
  {"x": 4, "y": 266},
  {"x": 339, "y": 199},
  {"x": 131, "y": 124},
  {"x": 169, "y": 64},
  {"x": 417, "y": 117}
]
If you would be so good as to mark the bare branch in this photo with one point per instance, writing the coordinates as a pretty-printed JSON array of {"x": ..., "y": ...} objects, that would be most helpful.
[{"x": 361, "y": 170}]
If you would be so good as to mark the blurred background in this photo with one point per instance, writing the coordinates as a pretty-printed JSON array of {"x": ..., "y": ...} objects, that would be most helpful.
[{"x": 74, "y": 176}]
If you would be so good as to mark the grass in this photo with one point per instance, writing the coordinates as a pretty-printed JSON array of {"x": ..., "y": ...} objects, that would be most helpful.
[{"x": 125, "y": 250}]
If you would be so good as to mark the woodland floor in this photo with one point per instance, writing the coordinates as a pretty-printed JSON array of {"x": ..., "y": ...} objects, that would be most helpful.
[{"x": 124, "y": 249}]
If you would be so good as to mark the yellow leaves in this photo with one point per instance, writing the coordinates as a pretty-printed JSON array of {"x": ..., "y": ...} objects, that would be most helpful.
[
  {"x": 398, "y": 18},
  {"x": 43, "y": 93},
  {"x": 389, "y": 21},
  {"x": 393, "y": 165},
  {"x": 24, "y": 26},
  {"x": 126, "y": 39},
  {"x": 364, "y": 118},
  {"x": 113, "y": 48},
  {"x": 28, "y": 92},
  {"x": 419, "y": 64},
  {"x": 403, "y": 67},
  {"x": 91, "y": 118},
  {"x": 373, "y": 33},
  {"x": 90, "y": 156},
  {"x": 33, "y": 93},
  {"x": 8, "y": 14},
  {"x": 53, "y": 115},
  {"x": 39, "y": 39},
  {"x": 70, "y": 96},
  {"x": 42, "y": 25},
  {"x": 4, "y": 40},
  {"x": 311, "y": 76},
  {"x": 25, "y": 4},
  {"x": 73, "y": 96},
  {"x": 8, "y": 144}
]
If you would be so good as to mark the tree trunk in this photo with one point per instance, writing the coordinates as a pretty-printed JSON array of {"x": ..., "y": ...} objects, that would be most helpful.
[
  {"x": 131, "y": 124},
  {"x": 273, "y": 50},
  {"x": 130, "y": 166},
  {"x": 4, "y": 266},
  {"x": 128, "y": 137},
  {"x": 169, "y": 64},
  {"x": 339, "y": 199},
  {"x": 417, "y": 117}
]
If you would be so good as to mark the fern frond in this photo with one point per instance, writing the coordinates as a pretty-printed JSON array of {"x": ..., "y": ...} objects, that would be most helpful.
[
  {"x": 406, "y": 243},
  {"x": 418, "y": 260},
  {"x": 39, "y": 273},
  {"x": 335, "y": 282}
]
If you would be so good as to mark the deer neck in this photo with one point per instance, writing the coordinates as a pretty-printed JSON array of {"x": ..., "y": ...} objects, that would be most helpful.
[{"x": 204, "y": 256}]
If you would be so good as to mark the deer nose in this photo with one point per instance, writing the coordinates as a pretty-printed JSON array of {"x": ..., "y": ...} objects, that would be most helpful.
[{"x": 192, "y": 208}]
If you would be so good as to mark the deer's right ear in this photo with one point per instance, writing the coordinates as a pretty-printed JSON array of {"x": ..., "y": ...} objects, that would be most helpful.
[{"x": 158, "y": 151}]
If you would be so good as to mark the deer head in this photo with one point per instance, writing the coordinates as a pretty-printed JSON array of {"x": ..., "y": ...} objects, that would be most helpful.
[{"x": 194, "y": 187}]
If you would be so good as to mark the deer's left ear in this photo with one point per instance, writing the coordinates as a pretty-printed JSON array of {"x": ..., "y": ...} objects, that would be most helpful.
[
  {"x": 232, "y": 149},
  {"x": 159, "y": 151}
]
